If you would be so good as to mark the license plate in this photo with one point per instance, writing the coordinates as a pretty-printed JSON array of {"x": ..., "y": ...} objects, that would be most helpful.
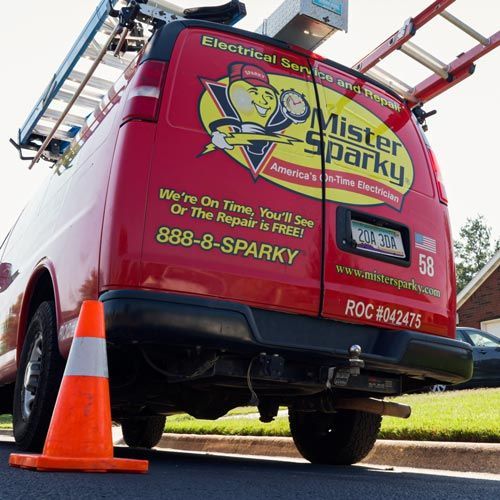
[{"x": 376, "y": 239}]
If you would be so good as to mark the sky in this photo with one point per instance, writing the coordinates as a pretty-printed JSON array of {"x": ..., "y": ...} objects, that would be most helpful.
[{"x": 464, "y": 134}]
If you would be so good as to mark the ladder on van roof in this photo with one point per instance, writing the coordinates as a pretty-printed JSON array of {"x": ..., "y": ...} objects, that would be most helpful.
[
  {"x": 115, "y": 33},
  {"x": 445, "y": 75},
  {"x": 104, "y": 49}
]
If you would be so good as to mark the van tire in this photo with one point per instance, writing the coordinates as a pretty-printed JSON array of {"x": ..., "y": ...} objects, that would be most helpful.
[
  {"x": 340, "y": 438},
  {"x": 40, "y": 355},
  {"x": 143, "y": 432}
]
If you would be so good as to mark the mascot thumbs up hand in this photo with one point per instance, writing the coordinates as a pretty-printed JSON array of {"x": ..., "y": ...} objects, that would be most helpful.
[{"x": 219, "y": 140}]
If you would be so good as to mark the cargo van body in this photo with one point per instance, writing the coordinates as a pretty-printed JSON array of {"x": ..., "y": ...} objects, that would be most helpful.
[{"x": 249, "y": 214}]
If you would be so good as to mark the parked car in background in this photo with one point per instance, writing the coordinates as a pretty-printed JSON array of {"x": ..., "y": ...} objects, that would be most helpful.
[{"x": 486, "y": 355}]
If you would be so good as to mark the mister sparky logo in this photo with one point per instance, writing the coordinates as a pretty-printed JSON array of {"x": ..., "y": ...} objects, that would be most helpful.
[
  {"x": 246, "y": 116},
  {"x": 271, "y": 125}
]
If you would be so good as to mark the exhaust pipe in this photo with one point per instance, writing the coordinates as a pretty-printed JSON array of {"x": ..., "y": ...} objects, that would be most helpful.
[{"x": 371, "y": 405}]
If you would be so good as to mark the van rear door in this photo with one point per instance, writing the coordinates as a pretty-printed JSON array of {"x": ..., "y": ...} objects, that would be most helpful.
[
  {"x": 225, "y": 217},
  {"x": 388, "y": 259}
]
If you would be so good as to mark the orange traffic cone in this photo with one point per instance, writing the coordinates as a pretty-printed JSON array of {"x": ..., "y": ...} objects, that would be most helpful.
[{"x": 79, "y": 436}]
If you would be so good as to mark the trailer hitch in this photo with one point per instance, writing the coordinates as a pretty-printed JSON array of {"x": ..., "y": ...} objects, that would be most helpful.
[{"x": 339, "y": 375}]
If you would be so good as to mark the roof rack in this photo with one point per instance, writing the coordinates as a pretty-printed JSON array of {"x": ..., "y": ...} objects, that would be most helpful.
[
  {"x": 446, "y": 75},
  {"x": 109, "y": 42}
]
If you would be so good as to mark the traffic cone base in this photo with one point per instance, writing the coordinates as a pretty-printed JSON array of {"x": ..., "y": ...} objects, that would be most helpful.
[
  {"x": 45, "y": 463},
  {"x": 79, "y": 437}
]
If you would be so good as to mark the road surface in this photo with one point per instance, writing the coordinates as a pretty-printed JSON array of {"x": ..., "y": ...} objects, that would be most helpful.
[{"x": 182, "y": 475}]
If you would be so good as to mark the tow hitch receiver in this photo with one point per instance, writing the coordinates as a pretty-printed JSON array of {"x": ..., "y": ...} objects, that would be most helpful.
[
  {"x": 339, "y": 375},
  {"x": 347, "y": 375}
]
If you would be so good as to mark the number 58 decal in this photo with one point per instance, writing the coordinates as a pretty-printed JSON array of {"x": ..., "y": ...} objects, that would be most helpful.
[{"x": 426, "y": 265}]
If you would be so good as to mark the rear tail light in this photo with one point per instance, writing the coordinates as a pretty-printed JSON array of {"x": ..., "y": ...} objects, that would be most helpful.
[
  {"x": 144, "y": 94},
  {"x": 443, "y": 198}
]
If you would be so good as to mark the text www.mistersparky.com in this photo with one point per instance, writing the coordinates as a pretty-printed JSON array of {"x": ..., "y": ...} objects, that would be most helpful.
[{"x": 398, "y": 283}]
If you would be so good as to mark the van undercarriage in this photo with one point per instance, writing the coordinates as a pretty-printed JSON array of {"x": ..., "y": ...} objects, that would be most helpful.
[{"x": 171, "y": 353}]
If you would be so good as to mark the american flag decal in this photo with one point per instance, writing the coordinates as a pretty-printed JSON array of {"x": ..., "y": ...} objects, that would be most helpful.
[{"x": 425, "y": 243}]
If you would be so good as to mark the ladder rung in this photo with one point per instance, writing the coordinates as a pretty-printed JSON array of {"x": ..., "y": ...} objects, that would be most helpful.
[
  {"x": 64, "y": 96},
  {"x": 423, "y": 57},
  {"x": 465, "y": 28},
  {"x": 49, "y": 122},
  {"x": 391, "y": 81},
  {"x": 94, "y": 81},
  {"x": 88, "y": 92},
  {"x": 108, "y": 26},
  {"x": 70, "y": 120},
  {"x": 44, "y": 131}
]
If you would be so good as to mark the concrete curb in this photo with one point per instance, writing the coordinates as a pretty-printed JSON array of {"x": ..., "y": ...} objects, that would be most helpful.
[{"x": 463, "y": 457}]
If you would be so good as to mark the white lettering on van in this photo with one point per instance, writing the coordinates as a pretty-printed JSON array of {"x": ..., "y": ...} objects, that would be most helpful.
[{"x": 358, "y": 309}]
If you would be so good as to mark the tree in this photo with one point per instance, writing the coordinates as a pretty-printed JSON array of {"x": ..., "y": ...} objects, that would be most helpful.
[{"x": 473, "y": 249}]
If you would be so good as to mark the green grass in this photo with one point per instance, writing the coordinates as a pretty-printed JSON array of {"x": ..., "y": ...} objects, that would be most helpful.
[
  {"x": 246, "y": 410},
  {"x": 185, "y": 424},
  {"x": 5, "y": 422},
  {"x": 472, "y": 415}
]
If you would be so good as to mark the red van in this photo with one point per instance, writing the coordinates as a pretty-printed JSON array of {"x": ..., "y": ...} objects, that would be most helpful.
[{"x": 263, "y": 226}]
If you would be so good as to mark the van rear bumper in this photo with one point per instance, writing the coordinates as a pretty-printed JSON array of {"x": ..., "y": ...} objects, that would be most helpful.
[{"x": 138, "y": 316}]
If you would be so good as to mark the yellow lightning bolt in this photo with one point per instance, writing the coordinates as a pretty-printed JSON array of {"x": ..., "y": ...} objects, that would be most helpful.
[{"x": 245, "y": 139}]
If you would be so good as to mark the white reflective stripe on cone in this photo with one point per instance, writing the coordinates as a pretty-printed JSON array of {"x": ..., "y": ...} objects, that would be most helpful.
[{"x": 87, "y": 358}]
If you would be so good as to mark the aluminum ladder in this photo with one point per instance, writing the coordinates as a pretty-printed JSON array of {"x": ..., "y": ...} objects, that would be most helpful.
[
  {"x": 85, "y": 81},
  {"x": 445, "y": 75}
]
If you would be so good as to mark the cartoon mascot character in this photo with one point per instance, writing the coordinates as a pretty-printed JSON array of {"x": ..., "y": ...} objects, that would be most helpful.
[{"x": 260, "y": 112}]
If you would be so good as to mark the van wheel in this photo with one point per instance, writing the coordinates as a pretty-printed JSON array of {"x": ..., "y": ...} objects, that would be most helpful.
[
  {"x": 38, "y": 380},
  {"x": 341, "y": 438},
  {"x": 143, "y": 432}
]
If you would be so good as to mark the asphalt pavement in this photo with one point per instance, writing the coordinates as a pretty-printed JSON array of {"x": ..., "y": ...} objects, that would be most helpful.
[{"x": 186, "y": 475}]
